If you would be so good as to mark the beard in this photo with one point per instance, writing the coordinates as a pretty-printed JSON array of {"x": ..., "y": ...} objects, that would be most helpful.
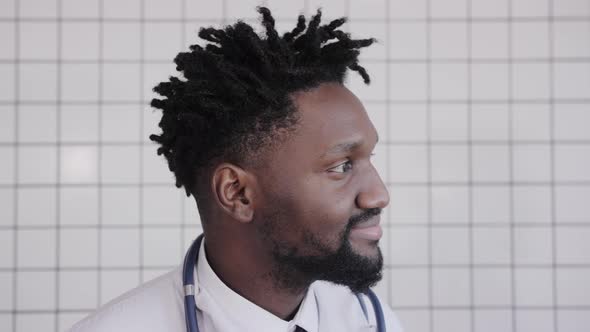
[{"x": 295, "y": 271}]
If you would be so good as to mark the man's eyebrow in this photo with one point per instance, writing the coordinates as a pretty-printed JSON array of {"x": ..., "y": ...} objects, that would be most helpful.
[{"x": 344, "y": 147}]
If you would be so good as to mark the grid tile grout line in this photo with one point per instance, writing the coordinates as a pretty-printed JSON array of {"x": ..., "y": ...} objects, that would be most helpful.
[
  {"x": 99, "y": 168},
  {"x": 58, "y": 151},
  {"x": 399, "y": 225},
  {"x": 469, "y": 74},
  {"x": 388, "y": 138},
  {"x": 511, "y": 170},
  {"x": 500, "y": 101},
  {"x": 430, "y": 272},
  {"x": 500, "y": 142},
  {"x": 453, "y": 60},
  {"x": 404, "y": 307},
  {"x": 182, "y": 232},
  {"x": 141, "y": 130},
  {"x": 15, "y": 186},
  {"x": 433, "y": 19},
  {"x": 454, "y": 183},
  {"x": 555, "y": 307},
  {"x": 546, "y": 266}
]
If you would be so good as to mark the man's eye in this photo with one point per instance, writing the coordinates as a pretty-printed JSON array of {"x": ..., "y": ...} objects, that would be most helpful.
[{"x": 342, "y": 168}]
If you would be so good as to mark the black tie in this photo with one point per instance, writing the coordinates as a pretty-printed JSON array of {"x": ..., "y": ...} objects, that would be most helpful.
[{"x": 299, "y": 329}]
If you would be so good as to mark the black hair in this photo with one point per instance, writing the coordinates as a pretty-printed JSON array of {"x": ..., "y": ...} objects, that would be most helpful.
[{"x": 233, "y": 96}]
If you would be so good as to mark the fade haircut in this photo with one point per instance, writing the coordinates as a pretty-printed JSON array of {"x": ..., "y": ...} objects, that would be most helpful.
[{"x": 234, "y": 94}]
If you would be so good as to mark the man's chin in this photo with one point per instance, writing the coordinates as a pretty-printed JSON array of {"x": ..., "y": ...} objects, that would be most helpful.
[
  {"x": 367, "y": 249},
  {"x": 367, "y": 270},
  {"x": 355, "y": 265},
  {"x": 363, "y": 285}
]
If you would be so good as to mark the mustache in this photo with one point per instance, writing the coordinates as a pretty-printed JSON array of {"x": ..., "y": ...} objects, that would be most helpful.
[{"x": 363, "y": 216}]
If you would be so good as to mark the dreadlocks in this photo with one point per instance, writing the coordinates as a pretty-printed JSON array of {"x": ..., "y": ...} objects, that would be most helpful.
[{"x": 234, "y": 96}]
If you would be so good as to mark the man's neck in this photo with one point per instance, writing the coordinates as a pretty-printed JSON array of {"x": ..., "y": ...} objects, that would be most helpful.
[{"x": 251, "y": 275}]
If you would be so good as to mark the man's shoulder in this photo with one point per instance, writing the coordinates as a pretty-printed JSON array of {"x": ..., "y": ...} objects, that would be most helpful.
[
  {"x": 341, "y": 301},
  {"x": 144, "y": 308}
]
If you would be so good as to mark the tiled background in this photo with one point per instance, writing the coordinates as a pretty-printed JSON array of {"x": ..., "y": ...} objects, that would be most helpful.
[{"x": 483, "y": 109}]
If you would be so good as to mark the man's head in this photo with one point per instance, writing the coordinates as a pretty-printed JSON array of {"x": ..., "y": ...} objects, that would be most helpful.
[{"x": 272, "y": 145}]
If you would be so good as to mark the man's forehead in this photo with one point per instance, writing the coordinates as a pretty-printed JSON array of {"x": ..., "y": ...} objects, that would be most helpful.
[{"x": 332, "y": 118}]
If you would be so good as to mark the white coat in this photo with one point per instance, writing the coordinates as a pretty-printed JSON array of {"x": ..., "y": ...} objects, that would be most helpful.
[{"x": 158, "y": 306}]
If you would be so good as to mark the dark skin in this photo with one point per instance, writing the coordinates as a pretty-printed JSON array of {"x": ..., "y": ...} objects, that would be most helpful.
[{"x": 308, "y": 185}]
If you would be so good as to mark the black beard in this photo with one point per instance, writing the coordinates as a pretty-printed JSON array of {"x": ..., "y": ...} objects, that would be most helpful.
[{"x": 344, "y": 266}]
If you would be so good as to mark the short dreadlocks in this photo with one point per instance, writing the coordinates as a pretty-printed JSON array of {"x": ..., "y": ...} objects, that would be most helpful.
[{"x": 234, "y": 94}]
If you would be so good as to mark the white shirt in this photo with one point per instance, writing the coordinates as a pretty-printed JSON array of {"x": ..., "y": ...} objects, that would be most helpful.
[{"x": 158, "y": 305}]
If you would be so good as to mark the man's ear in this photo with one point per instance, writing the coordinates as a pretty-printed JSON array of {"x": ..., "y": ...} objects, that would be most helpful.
[{"x": 233, "y": 189}]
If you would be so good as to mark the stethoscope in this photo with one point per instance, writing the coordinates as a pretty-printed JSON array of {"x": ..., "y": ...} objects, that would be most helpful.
[{"x": 190, "y": 307}]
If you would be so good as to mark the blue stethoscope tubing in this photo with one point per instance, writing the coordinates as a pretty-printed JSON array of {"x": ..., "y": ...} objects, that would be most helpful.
[{"x": 190, "y": 307}]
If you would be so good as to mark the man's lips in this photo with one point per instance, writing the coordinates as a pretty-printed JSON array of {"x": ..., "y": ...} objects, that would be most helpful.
[{"x": 368, "y": 230}]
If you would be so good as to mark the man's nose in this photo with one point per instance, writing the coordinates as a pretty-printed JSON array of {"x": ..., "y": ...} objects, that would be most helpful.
[{"x": 373, "y": 193}]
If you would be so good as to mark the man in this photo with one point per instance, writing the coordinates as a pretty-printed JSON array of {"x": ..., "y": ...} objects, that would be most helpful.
[{"x": 276, "y": 152}]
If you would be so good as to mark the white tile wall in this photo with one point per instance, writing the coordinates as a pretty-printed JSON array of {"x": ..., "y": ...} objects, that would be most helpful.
[
  {"x": 79, "y": 123},
  {"x": 450, "y": 204},
  {"x": 492, "y": 320},
  {"x": 35, "y": 290},
  {"x": 491, "y": 204},
  {"x": 30, "y": 116},
  {"x": 408, "y": 163},
  {"x": 409, "y": 204},
  {"x": 482, "y": 111},
  {"x": 7, "y": 170},
  {"x": 406, "y": 123},
  {"x": 79, "y": 82},
  {"x": 6, "y": 82},
  {"x": 534, "y": 320},
  {"x": 409, "y": 246},
  {"x": 450, "y": 320},
  {"x": 120, "y": 82},
  {"x": 120, "y": 206},
  {"x": 34, "y": 321},
  {"x": 37, "y": 82},
  {"x": 489, "y": 40},
  {"x": 450, "y": 287},
  {"x": 80, "y": 40},
  {"x": 489, "y": 81},
  {"x": 7, "y": 125},
  {"x": 483, "y": 8},
  {"x": 448, "y": 81},
  {"x": 490, "y": 122},
  {"x": 7, "y": 281},
  {"x": 450, "y": 245},
  {"x": 78, "y": 206},
  {"x": 449, "y": 163},
  {"x": 119, "y": 247},
  {"x": 491, "y": 287},
  {"x": 410, "y": 287},
  {"x": 36, "y": 207},
  {"x": 448, "y": 122},
  {"x": 491, "y": 245},
  {"x": 78, "y": 289},
  {"x": 80, "y": 8},
  {"x": 7, "y": 248}
]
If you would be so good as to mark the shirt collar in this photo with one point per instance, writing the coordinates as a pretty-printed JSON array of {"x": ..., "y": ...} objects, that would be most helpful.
[
  {"x": 307, "y": 316},
  {"x": 244, "y": 312}
]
